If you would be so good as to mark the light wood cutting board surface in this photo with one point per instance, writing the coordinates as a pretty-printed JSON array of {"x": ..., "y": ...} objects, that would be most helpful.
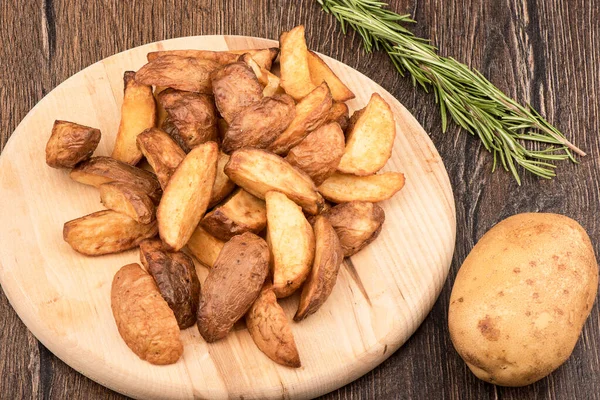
[{"x": 382, "y": 294}]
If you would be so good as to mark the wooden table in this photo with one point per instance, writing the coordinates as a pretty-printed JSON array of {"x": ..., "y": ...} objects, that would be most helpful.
[{"x": 546, "y": 52}]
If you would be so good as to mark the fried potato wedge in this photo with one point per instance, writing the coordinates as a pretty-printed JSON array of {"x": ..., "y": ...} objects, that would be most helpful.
[
  {"x": 99, "y": 170},
  {"x": 181, "y": 73},
  {"x": 357, "y": 224},
  {"x": 319, "y": 153},
  {"x": 162, "y": 153},
  {"x": 241, "y": 212},
  {"x": 143, "y": 317},
  {"x": 339, "y": 113},
  {"x": 258, "y": 171},
  {"x": 128, "y": 200},
  {"x": 223, "y": 185},
  {"x": 161, "y": 113},
  {"x": 204, "y": 246},
  {"x": 176, "y": 278},
  {"x": 232, "y": 285},
  {"x": 106, "y": 232},
  {"x": 263, "y": 57},
  {"x": 342, "y": 188},
  {"x": 170, "y": 129},
  {"x": 270, "y": 329},
  {"x": 259, "y": 124},
  {"x": 138, "y": 113},
  {"x": 370, "y": 139},
  {"x": 187, "y": 195},
  {"x": 311, "y": 112},
  {"x": 235, "y": 87},
  {"x": 291, "y": 241},
  {"x": 323, "y": 275},
  {"x": 320, "y": 72},
  {"x": 70, "y": 143},
  {"x": 269, "y": 81},
  {"x": 293, "y": 60}
]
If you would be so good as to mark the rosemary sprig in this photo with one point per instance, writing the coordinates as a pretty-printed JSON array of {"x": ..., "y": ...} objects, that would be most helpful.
[{"x": 503, "y": 125}]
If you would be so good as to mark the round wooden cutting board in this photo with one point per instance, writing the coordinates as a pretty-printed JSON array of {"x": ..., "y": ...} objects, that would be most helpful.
[{"x": 382, "y": 294}]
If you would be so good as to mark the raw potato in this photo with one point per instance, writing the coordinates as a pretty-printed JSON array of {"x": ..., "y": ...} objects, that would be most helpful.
[
  {"x": 106, "y": 232},
  {"x": 181, "y": 73},
  {"x": 242, "y": 212},
  {"x": 291, "y": 241},
  {"x": 521, "y": 298},
  {"x": 138, "y": 113},
  {"x": 311, "y": 112},
  {"x": 270, "y": 330},
  {"x": 295, "y": 75},
  {"x": 223, "y": 185},
  {"x": 232, "y": 285},
  {"x": 320, "y": 72},
  {"x": 175, "y": 276},
  {"x": 161, "y": 152},
  {"x": 323, "y": 275},
  {"x": 339, "y": 113},
  {"x": 263, "y": 57},
  {"x": 128, "y": 200},
  {"x": 259, "y": 124},
  {"x": 235, "y": 87},
  {"x": 342, "y": 188},
  {"x": 319, "y": 153},
  {"x": 70, "y": 143},
  {"x": 370, "y": 139},
  {"x": 204, "y": 246},
  {"x": 258, "y": 171},
  {"x": 144, "y": 319},
  {"x": 357, "y": 224},
  {"x": 186, "y": 197}
]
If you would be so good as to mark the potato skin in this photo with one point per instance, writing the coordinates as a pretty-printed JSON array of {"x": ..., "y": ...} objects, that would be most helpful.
[
  {"x": 128, "y": 200},
  {"x": 232, "y": 285},
  {"x": 235, "y": 87},
  {"x": 223, "y": 186},
  {"x": 70, "y": 143},
  {"x": 143, "y": 318},
  {"x": 181, "y": 73},
  {"x": 521, "y": 298},
  {"x": 339, "y": 113},
  {"x": 162, "y": 153}
]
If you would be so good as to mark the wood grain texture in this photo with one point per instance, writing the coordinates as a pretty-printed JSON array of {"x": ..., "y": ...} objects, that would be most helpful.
[{"x": 546, "y": 52}]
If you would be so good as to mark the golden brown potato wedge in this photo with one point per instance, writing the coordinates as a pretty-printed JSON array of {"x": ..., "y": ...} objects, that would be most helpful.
[
  {"x": 258, "y": 171},
  {"x": 181, "y": 73},
  {"x": 223, "y": 185},
  {"x": 264, "y": 57},
  {"x": 204, "y": 246},
  {"x": 170, "y": 129},
  {"x": 241, "y": 212},
  {"x": 259, "y": 124},
  {"x": 323, "y": 275},
  {"x": 232, "y": 285},
  {"x": 291, "y": 241},
  {"x": 269, "y": 81},
  {"x": 320, "y": 72},
  {"x": 162, "y": 153},
  {"x": 357, "y": 224},
  {"x": 138, "y": 113},
  {"x": 339, "y": 113},
  {"x": 143, "y": 317},
  {"x": 186, "y": 197},
  {"x": 319, "y": 153},
  {"x": 176, "y": 278},
  {"x": 161, "y": 113},
  {"x": 128, "y": 200},
  {"x": 342, "y": 188},
  {"x": 70, "y": 143},
  {"x": 311, "y": 112},
  {"x": 235, "y": 87},
  {"x": 370, "y": 139},
  {"x": 295, "y": 74},
  {"x": 106, "y": 232},
  {"x": 99, "y": 170},
  {"x": 270, "y": 330}
]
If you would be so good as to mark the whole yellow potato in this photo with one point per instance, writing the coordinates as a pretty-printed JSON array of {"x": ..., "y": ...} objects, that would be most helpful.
[{"x": 521, "y": 298}]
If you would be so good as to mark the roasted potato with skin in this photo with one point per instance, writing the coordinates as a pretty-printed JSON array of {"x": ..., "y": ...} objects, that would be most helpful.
[
  {"x": 143, "y": 317},
  {"x": 342, "y": 188},
  {"x": 128, "y": 200},
  {"x": 311, "y": 112},
  {"x": 170, "y": 129},
  {"x": 187, "y": 195},
  {"x": 138, "y": 113},
  {"x": 241, "y": 212},
  {"x": 258, "y": 172},
  {"x": 269, "y": 81},
  {"x": 235, "y": 87},
  {"x": 263, "y": 57},
  {"x": 223, "y": 186},
  {"x": 204, "y": 246},
  {"x": 339, "y": 113},
  {"x": 175, "y": 276},
  {"x": 291, "y": 241},
  {"x": 259, "y": 124},
  {"x": 106, "y": 232},
  {"x": 293, "y": 60},
  {"x": 319, "y": 153},
  {"x": 161, "y": 152},
  {"x": 270, "y": 330},
  {"x": 181, "y": 73},
  {"x": 70, "y": 143},
  {"x": 320, "y": 72},
  {"x": 161, "y": 113},
  {"x": 232, "y": 285},
  {"x": 323, "y": 275}
]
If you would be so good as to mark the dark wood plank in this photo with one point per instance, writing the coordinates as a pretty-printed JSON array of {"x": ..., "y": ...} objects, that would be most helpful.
[{"x": 546, "y": 52}]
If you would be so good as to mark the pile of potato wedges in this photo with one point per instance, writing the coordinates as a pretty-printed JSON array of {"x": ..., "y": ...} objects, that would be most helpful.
[{"x": 265, "y": 179}]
